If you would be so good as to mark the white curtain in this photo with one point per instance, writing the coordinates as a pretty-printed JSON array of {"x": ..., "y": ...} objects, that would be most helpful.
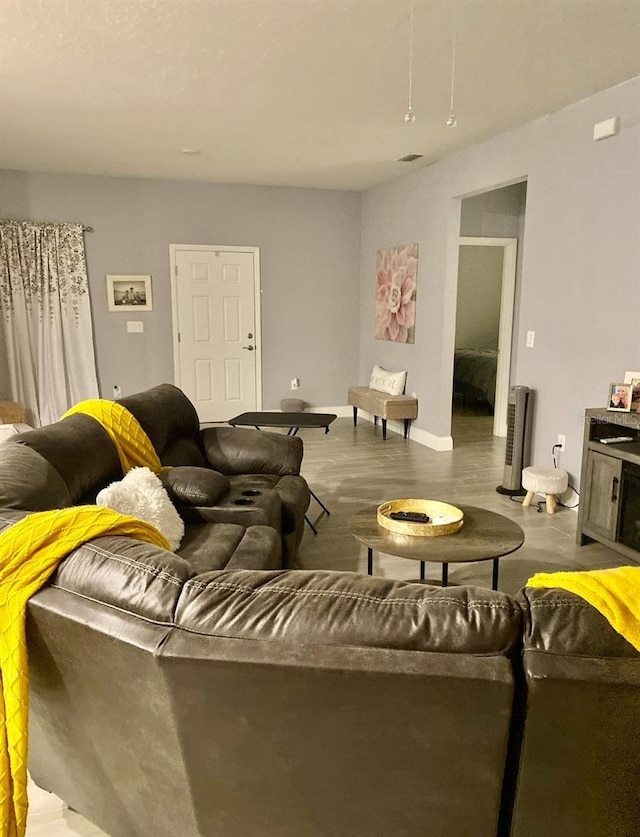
[{"x": 46, "y": 317}]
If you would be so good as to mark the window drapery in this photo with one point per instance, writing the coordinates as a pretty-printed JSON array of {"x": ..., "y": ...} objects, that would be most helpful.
[{"x": 46, "y": 317}]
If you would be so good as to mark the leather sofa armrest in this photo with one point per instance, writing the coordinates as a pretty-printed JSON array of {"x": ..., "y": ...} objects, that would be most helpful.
[
  {"x": 237, "y": 450},
  {"x": 241, "y": 515},
  {"x": 245, "y": 507}
]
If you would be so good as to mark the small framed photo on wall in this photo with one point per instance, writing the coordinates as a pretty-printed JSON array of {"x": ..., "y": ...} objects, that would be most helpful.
[
  {"x": 633, "y": 378},
  {"x": 619, "y": 397},
  {"x": 129, "y": 293}
]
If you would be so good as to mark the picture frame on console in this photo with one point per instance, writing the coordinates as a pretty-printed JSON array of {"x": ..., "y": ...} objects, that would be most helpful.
[
  {"x": 129, "y": 293},
  {"x": 619, "y": 397},
  {"x": 633, "y": 378}
]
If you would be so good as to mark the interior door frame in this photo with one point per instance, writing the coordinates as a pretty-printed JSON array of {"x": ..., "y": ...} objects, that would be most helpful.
[
  {"x": 173, "y": 261},
  {"x": 505, "y": 332}
]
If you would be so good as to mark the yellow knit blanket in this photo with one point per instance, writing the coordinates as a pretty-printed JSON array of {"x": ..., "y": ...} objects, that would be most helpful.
[
  {"x": 615, "y": 593},
  {"x": 130, "y": 440},
  {"x": 30, "y": 551}
]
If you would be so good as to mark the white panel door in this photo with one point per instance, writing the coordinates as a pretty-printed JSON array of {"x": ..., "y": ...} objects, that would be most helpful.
[{"x": 215, "y": 323}]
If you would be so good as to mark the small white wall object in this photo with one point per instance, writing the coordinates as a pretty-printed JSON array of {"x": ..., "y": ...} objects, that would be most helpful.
[{"x": 607, "y": 128}]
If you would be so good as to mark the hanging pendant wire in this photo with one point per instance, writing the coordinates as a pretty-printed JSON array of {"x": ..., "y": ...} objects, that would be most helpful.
[
  {"x": 409, "y": 116},
  {"x": 452, "y": 121}
]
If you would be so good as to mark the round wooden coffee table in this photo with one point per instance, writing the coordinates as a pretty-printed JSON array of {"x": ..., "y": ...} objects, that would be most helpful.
[{"x": 485, "y": 536}]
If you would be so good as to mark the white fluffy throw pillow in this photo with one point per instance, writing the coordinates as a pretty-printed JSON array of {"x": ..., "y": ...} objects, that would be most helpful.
[
  {"x": 141, "y": 494},
  {"x": 390, "y": 382}
]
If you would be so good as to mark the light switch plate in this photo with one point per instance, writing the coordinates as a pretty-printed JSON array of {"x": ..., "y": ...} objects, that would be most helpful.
[{"x": 135, "y": 325}]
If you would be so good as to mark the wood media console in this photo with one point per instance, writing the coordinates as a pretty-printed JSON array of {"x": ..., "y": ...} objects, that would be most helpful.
[{"x": 609, "y": 510}]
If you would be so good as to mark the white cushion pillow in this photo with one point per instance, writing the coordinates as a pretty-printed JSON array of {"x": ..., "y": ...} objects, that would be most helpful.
[
  {"x": 389, "y": 382},
  {"x": 141, "y": 494}
]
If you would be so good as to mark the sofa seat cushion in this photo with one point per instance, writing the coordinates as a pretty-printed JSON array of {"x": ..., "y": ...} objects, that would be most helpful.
[{"x": 212, "y": 546}]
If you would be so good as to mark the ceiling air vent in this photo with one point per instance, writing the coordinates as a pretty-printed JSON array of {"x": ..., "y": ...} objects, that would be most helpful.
[{"x": 409, "y": 158}]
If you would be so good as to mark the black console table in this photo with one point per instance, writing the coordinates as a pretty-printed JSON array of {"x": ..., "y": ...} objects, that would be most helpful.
[{"x": 294, "y": 421}]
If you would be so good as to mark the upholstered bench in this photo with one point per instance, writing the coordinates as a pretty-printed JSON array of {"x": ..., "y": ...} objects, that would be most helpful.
[{"x": 384, "y": 406}]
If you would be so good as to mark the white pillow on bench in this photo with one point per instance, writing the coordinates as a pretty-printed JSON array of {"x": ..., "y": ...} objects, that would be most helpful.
[{"x": 390, "y": 382}]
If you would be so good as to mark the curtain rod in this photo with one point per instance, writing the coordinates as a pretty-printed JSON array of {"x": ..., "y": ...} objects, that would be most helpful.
[{"x": 84, "y": 227}]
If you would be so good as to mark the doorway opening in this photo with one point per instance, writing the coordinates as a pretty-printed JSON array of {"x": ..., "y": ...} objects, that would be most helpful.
[{"x": 491, "y": 227}]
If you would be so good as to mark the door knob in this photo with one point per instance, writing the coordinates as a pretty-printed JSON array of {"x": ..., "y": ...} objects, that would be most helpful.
[{"x": 248, "y": 348}]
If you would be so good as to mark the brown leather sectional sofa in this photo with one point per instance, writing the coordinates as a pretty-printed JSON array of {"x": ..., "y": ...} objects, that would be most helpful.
[
  {"x": 257, "y": 489},
  {"x": 224, "y": 696}
]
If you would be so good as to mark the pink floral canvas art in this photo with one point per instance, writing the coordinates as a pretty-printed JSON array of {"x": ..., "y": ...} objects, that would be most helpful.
[{"x": 397, "y": 273}]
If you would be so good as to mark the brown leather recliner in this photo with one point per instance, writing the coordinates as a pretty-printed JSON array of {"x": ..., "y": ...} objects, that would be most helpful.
[{"x": 258, "y": 473}]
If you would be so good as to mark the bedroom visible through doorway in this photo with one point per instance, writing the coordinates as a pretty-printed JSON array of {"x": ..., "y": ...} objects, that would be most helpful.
[
  {"x": 484, "y": 325},
  {"x": 487, "y": 303}
]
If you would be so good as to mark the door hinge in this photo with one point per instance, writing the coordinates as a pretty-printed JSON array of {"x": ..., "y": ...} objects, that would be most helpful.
[
  {"x": 179, "y": 338},
  {"x": 175, "y": 268}
]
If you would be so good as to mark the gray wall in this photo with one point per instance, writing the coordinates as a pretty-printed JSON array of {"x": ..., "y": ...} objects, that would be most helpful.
[
  {"x": 309, "y": 250},
  {"x": 580, "y": 257},
  {"x": 581, "y": 252}
]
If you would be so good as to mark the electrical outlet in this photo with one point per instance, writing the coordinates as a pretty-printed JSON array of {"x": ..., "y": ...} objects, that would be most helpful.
[
  {"x": 561, "y": 442},
  {"x": 295, "y": 383},
  {"x": 117, "y": 392}
]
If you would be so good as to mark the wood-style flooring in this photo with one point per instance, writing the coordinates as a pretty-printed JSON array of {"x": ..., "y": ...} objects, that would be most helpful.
[{"x": 349, "y": 468}]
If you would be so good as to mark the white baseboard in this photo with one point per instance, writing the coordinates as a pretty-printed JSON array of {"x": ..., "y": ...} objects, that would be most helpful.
[
  {"x": 341, "y": 412},
  {"x": 422, "y": 437},
  {"x": 430, "y": 440}
]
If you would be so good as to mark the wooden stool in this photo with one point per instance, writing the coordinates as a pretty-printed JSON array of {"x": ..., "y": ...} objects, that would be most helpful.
[{"x": 547, "y": 481}]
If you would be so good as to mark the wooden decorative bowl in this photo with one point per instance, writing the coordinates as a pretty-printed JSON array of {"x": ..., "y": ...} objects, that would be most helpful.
[{"x": 444, "y": 519}]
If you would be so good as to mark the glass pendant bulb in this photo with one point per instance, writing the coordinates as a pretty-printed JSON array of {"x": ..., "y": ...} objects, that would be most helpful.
[
  {"x": 452, "y": 121},
  {"x": 409, "y": 116}
]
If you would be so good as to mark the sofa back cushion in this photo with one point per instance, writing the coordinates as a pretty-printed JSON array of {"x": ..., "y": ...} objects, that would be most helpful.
[
  {"x": 170, "y": 421},
  {"x": 237, "y": 450},
  {"x": 336, "y": 608},
  {"x": 82, "y": 455},
  {"x": 560, "y": 622},
  {"x": 28, "y": 481},
  {"x": 79, "y": 450}
]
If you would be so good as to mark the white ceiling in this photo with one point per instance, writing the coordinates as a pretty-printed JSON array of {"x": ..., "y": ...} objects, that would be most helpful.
[{"x": 289, "y": 92}]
